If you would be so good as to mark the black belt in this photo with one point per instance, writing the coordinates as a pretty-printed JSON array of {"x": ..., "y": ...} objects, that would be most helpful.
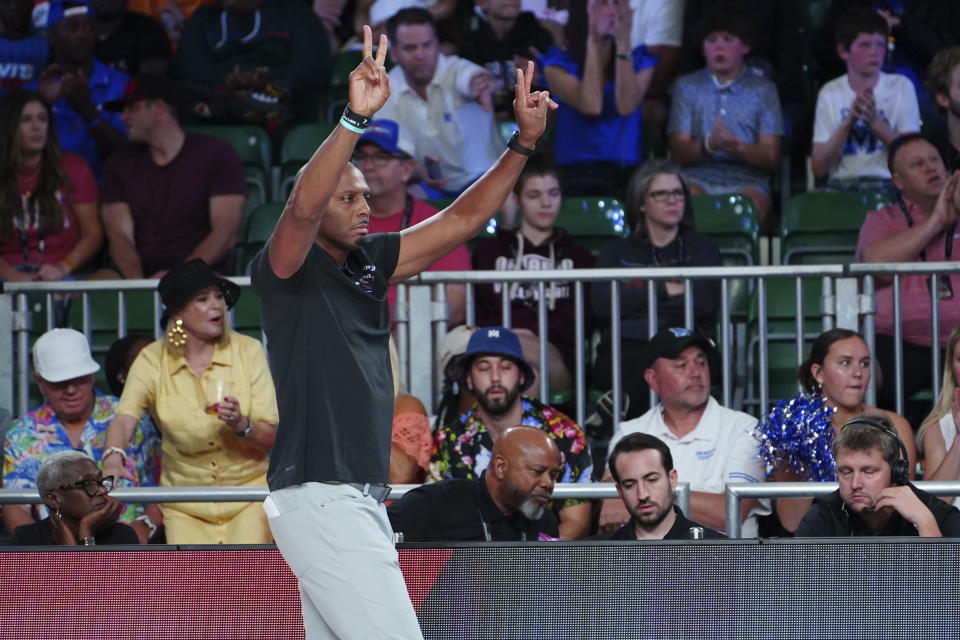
[{"x": 379, "y": 491}]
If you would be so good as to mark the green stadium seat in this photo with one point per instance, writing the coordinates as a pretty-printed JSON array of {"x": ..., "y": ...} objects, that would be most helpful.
[
  {"x": 245, "y": 315},
  {"x": 593, "y": 222},
  {"x": 781, "y": 338},
  {"x": 298, "y": 146},
  {"x": 821, "y": 227},
  {"x": 252, "y": 144},
  {"x": 262, "y": 222}
]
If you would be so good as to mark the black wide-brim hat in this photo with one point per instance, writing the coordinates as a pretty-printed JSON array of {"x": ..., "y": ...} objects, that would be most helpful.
[{"x": 183, "y": 282}]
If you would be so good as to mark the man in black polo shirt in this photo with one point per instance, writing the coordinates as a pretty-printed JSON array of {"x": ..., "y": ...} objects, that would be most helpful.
[
  {"x": 875, "y": 497},
  {"x": 323, "y": 285},
  {"x": 507, "y": 502},
  {"x": 642, "y": 467}
]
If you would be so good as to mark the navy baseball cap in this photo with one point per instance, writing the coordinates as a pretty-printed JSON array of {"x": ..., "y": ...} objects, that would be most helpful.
[
  {"x": 386, "y": 134},
  {"x": 670, "y": 343},
  {"x": 497, "y": 341}
]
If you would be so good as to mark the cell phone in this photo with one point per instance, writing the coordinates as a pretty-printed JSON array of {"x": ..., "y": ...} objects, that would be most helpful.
[{"x": 434, "y": 171}]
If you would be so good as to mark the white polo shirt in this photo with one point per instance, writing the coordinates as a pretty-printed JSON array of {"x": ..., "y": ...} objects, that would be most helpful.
[{"x": 721, "y": 449}]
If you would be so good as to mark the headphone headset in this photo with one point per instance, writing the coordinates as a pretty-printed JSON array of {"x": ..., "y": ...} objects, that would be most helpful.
[{"x": 900, "y": 470}]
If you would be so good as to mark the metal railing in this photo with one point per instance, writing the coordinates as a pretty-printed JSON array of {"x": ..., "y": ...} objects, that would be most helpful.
[
  {"x": 421, "y": 318},
  {"x": 562, "y": 491},
  {"x": 738, "y": 491}
]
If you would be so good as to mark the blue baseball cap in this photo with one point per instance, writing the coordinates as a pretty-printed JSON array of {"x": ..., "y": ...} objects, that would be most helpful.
[
  {"x": 497, "y": 341},
  {"x": 50, "y": 12},
  {"x": 386, "y": 134},
  {"x": 670, "y": 343}
]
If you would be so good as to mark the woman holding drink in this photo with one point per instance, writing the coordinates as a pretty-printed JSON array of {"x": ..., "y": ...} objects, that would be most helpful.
[{"x": 210, "y": 394}]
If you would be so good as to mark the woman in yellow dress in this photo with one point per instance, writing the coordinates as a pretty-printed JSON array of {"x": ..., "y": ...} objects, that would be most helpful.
[{"x": 210, "y": 393}]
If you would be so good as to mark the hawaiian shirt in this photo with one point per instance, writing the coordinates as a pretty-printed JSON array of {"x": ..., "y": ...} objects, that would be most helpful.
[
  {"x": 36, "y": 435},
  {"x": 463, "y": 448}
]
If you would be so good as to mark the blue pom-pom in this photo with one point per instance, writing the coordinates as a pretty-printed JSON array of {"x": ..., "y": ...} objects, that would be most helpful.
[{"x": 797, "y": 434}]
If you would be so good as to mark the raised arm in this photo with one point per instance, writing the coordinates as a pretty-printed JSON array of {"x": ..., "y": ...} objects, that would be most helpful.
[
  {"x": 425, "y": 243},
  {"x": 297, "y": 228}
]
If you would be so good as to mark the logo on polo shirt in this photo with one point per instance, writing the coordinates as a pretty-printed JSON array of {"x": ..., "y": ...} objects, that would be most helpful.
[{"x": 706, "y": 455}]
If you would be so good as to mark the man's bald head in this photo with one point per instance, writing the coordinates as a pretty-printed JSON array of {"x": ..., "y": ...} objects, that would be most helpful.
[{"x": 524, "y": 468}]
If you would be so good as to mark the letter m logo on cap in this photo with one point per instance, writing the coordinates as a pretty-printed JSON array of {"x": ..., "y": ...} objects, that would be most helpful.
[
  {"x": 493, "y": 333},
  {"x": 680, "y": 332}
]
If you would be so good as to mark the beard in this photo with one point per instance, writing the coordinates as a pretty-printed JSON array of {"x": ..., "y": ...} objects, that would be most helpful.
[
  {"x": 531, "y": 510},
  {"x": 498, "y": 407},
  {"x": 654, "y": 518},
  {"x": 525, "y": 503}
]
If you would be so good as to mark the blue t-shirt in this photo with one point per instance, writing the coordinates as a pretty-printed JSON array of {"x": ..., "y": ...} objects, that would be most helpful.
[
  {"x": 106, "y": 84},
  {"x": 609, "y": 137},
  {"x": 21, "y": 62}
]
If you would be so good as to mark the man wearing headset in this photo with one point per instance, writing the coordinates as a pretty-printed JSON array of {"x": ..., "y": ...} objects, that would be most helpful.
[{"x": 875, "y": 497}]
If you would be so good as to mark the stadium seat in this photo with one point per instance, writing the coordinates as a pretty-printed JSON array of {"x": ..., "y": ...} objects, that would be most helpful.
[
  {"x": 252, "y": 144},
  {"x": 822, "y": 227},
  {"x": 781, "y": 338},
  {"x": 593, "y": 221},
  {"x": 245, "y": 315},
  {"x": 299, "y": 144},
  {"x": 260, "y": 225}
]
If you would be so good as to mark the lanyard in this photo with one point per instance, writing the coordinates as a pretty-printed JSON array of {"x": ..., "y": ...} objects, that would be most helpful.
[
  {"x": 407, "y": 212},
  {"x": 486, "y": 530},
  {"x": 655, "y": 258},
  {"x": 947, "y": 242},
  {"x": 22, "y": 224}
]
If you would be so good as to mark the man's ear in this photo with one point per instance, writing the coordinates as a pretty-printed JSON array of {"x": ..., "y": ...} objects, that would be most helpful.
[
  {"x": 942, "y": 100},
  {"x": 673, "y": 479},
  {"x": 500, "y": 465},
  {"x": 650, "y": 376},
  {"x": 842, "y": 52},
  {"x": 52, "y": 501}
]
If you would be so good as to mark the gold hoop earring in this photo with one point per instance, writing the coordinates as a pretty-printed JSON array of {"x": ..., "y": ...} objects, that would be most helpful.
[{"x": 176, "y": 335}]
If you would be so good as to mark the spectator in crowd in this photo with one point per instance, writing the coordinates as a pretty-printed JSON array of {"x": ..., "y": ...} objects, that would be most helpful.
[
  {"x": 270, "y": 59},
  {"x": 535, "y": 246},
  {"x": 173, "y": 195},
  {"x": 380, "y": 11},
  {"x": 725, "y": 122},
  {"x": 861, "y": 112},
  {"x": 658, "y": 25},
  {"x": 921, "y": 226},
  {"x": 49, "y": 219},
  {"x": 710, "y": 444},
  {"x": 937, "y": 438},
  {"x": 384, "y": 155},
  {"x": 600, "y": 83},
  {"x": 82, "y": 511},
  {"x": 411, "y": 441},
  {"x": 210, "y": 393},
  {"x": 795, "y": 435},
  {"x": 943, "y": 84},
  {"x": 508, "y": 501},
  {"x": 642, "y": 467},
  {"x": 128, "y": 41},
  {"x": 495, "y": 371},
  {"x": 455, "y": 399},
  {"x": 500, "y": 36},
  {"x": 444, "y": 102},
  {"x": 661, "y": 214},
  {"x": 875, "y": 497},
  {"x": 78, "y": 85},
  {"x": 172, "y": 14},
  {"x": 120, "y": 357},
  {"x": 74, "y": 416},
  {"x": 23, "y": 52}
]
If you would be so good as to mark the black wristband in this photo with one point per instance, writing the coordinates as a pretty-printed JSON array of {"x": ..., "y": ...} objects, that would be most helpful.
[
  {"x": 514, "y": 145},
  {"x": 355, "y": 119}
]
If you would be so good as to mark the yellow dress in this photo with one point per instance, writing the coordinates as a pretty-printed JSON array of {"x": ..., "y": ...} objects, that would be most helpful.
[{"x": 198, "y": 448}]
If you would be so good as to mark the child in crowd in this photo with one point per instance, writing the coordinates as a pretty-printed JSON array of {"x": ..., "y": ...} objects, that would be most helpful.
[{"x": 862, "y": 111}]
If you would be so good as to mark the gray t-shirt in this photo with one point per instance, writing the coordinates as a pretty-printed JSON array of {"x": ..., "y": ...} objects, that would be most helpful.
[{"x": 327, "y": 329}]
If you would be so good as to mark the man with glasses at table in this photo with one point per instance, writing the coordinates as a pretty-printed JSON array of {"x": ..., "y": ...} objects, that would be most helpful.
[
  {"x": 384, "y": 155},
  {"x": 82, "y": 512}
]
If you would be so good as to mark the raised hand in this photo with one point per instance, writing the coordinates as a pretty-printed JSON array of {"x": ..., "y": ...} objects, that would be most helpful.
[
  {"x": 947, "y": 209},
  {"x": 100, "y": 517},
  {"x": 624, "y": 26},
  {"x": 601, "y": 19},
  {"x": 369, "y": 85},
  {"x": 482, "y": 84},
  {"x": 530, "y": 108}
]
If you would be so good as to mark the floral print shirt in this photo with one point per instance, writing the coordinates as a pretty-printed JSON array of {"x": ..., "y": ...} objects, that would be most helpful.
[
  {"x": 462, "y": 449},
  {"x": 36, "y": 435}
]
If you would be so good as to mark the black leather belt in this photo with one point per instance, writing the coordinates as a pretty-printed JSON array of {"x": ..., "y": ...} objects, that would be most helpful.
[{"x": 379, "y": 491}]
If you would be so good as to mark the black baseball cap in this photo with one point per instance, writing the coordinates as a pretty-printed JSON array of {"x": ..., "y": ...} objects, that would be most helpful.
[
  {"x": 670, "y": 343},
  {"x": 147, "y": 86}
]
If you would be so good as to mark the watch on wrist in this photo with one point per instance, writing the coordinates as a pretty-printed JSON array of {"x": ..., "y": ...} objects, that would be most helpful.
[
  {"x": 148, "y": 523},
  {"x": 89, "y": 541},
  {"x": 514, "y": 145},
  {"x": 246, "y": 433}
]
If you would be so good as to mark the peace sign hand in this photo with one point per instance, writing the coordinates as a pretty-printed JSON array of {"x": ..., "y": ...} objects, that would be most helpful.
[
  {"x": 369, "y": 85},
  {"x": 530, "y": 108}
]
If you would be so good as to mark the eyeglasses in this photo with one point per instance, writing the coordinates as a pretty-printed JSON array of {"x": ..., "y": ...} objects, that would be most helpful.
[
  {"x": 661, "y": 195},
  {"x": 378, "y": 158},
  {"x": 91, "y": 487}
]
